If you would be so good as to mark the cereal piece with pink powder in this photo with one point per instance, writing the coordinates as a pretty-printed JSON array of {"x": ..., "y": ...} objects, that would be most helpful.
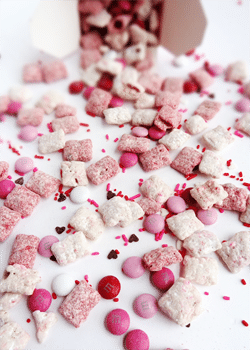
[
  {"x": 91, "y": 41},
  {"x": 133, "y": 144},
  {"x": 64, "y": 110},
  {"x": 52, "y": 142},
  {"x": 149, "y": 206},
  {"x": 202, "y": 271},
  {"x": 8, "y": 220},
  {"x": 202, "y": 78},
  {"x": 9, "y": 300},
  {"x": 245, "y": 217},
  {"x": 68, "y": 124},
  {"x": 175, "y": 139},
  {"x": 99, "y": 101},
  {"x": 44, "y": 321},
  {"x": 12, "y": 336},
  {"x": 152, "y": 82},
  {"x": 43, "y": 184},
  {"x": 32, "y": 73},
  {"x": 167, "y": 98},
  {"x": 103, "y": 170},
  {"x": 173, "y": 84},
  {"x": 144, "y": 117},
  {"x": 4, "y": 168},
  {"x": 236, "y": 200},
  {"x": 201, "y": 243},
  {"x": 155, "y": 188},
  {"x": 49, "y": 101},
  {"x": 74, "y": 174},
  {"x": 218, "y": 138},
  {"x": 208, "y": 109},
  {"x": 186, "y": 160},
  {"x": 167, "y": 118},
  {"x": 24, "y": 250},
  {"x": 89, "y": 57},
  {"x": 54, "y": 71},
  {"x": 30, "y": 116},
  {"x": 161, "y": 257},
  {"x": 4, "y": 103},
  {"x": 184, "y": 224},
  {"x": 155, "y": 158},
  {"x": 81, "y": 150},
  {"x": 243, "y": 124}
]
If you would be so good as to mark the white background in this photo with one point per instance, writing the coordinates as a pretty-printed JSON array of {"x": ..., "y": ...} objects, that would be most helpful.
[{"x": 219, "y": 327}]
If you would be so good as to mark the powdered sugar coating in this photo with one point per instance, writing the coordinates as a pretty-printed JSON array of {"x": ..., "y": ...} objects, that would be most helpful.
[
  {"x": 212, "y": 164},
  {"x": 173, "y": 84},
  {"x": 135, "y": 53},
  {"x": 202, "y": 78},
  {"x": 117, "y": 115},
  {"x": 186, "y": 160},
  {"x": 243, "y": 124},
  {"x": 161, "y": 257},
  {"x": 149, "y": 206},
  {"x": 43, "y": 184},
  {"x": 50, "y": 101},
  {"x": 4, "y": 167},
  {"x": 133, "y": 144},
  {"x": 20, "y": 93},
  {"x": 155, "y": 188},
  {"x": 24, "y": 250},
  {"x": 200, "y": 270},
  {"x": 175, "y": 139},
  {"x": 89, "y": 57},
  {"x": 12, "y": 336},
  {"x": 236, "y": 200},
  {"x": 195, "y": 124},
  {"x": 54, "y": 71},
  {"x": 245, "y": 217},
  {"x": 30, "y": 116},
  {"x": 32, "y": 73},
  {"x": 9, "y": 300},
  {"x": 167, "y": 118},
  {"x": 104, "y": 169},
  {"x": 145, "y": 101},
  {"x": 81, "y": 150},
  {"x": 4, "y": 103},
  {"x": 8, "y": 220},
  {"x": 74, "y": 174},
  {"x": 208, "y": 109},
  {"x": 218, "y": 138},
  {"x": 237, "y": 71},
  {"x": 52, "y": 142},
  {"x": 201, "y": 243},
  {"x": 184, "y": 224},
  {"x": 154, "y": 159},
  {"x": 167, "y": 98},
  {"x": 151, "y": 82},
  {"x": 90, "y": 76},
  {"x": 68, "y": 124},
  {"x": 144, "y": 117},
  {"x": 63, "y": 110},
  {"x": 99, "y": 101},
  {"x": 4, "y": 317},
  {"x": 44, "y": 321},
  {"x": 129, "y": 90},
  {"x": 109, "y": 66}
]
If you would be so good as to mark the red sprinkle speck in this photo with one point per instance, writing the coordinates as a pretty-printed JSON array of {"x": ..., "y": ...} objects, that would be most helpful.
[
  {"x": 243, "y": 281},
  {"x": 28, "y": 320},
  {"x": 103, "y": 150},
  {"x": 221, "y": 210},
  {"x": 226, "y": 174},
  {"x": 54, "y": 296},
  {"x": 229, "y": 162},
  {"x": 84, "y": 124},
  {"x": 35, "y": 169},
  {"x": 68, "y": 231},
  {"x": 117, "y": 237},
  {"x": 95, "y": 253},
  {"x": 244, "y": 323},
  {"x": 88, "y": 130},
  {"x": 115, "y": 300},
  {"x": 117, "y": 251},
  {"x": 38, "y": 157},
  {"x": 240, "y": 174},
  {"x": 203, "y": 149},
  {"x": 198, "y": 146},
  {"x": 115, "y": 140},
  {"x": 121, "y": 126},
  {"x": 245, "y": 224}
]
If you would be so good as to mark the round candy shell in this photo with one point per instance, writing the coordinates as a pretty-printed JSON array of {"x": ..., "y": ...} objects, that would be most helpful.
[
  {"x": 6, "y": 186},
  {"x": 118, "y": 321},
  {"x": 63, "y": 284},
  {"x": 176, "y": 204},
  {"x": 137, "y": 340},
  {"x": 24, "y": 165},
  {"x": 45, "y": 245},
  {"x": 116, "y": 102},
  {"x": 133, "y": 267},
  {"x": 145, "y": 305},
  {"x": 154, "y": 223},
  {"x": 140, "y": 131},
  {"x": 128, "y": 160},
  {"x": 28, "y": 133},
  {"x": 243, "y": 105},
  {"x": 215, "y": 70},
  {"x": 207, "y": 217},
  {"x": 79, "y": 194},
  {"x": 109, "y": 287},
  {"x": 39, "y": 300},
  {"x": 155, "y": 133},
  {"x": 163, "y": 279}
]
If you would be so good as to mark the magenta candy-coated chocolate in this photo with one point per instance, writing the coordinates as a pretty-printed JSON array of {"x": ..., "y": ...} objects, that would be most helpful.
[
  {"x": 243, "y": 105},
  {"x": 215, "y": 70},
  {"x": 14, "y": 107},
  {"x": 116, "y": 102},
  {"x": 128, "y": 160},
  {"x": 155, "y": 133},
  {"x": 118, "y": 321},
  {"x": 145, "y": 305},
  {"x": 39, "y": 300},
  {"x": 24, "y": 165},
  {"x": 154, "y": 223},
  {"x": 87, "y": 91},
  {"x": 176, "y": 204},
  {"x": 133, "y": 267},
  {"x": 163, "y": 279},
  {"x": 28, "y": 133},
  {"x": 207, "y": 217},
  {"x": 45, "y": 245},
  {"x": 6, "y": 186},
  {"x": 140, "y": 131},
  {"x": 137, "y": 340}
]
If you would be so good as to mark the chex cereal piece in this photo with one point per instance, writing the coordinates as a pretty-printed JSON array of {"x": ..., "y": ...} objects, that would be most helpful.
[
  {"x": 154, "y": 159},
  {"x": 118, "y": 211},
  {"x": 208, "y": 109},
  {"x": 175, "y": 139},
  {"x": 117, "y": 41},
  {"x": 245, "y": 217},
  {"x": 77, "y": 305},
  {"x": 4, "y": 102},
  {"x": 117, "y": 115},
  {"x": 32, "y": 73},
  {"x": 52, "y": 142},
  {"x": 202, "y": 78},
  {"x": 129, "y": 143},
  {"x": 144, "y": 117},
  {"x": 208, "y": 194},
  {"x": 201, "y": 243},
  {"x": 149, "y": 206},
  {"x": 22, "y": 200},
  {"x": 90, "y": 76},
  {"x": 73, "y": 247},
  {"x": 88, "y": 222},
  {"x": 145, "y": 101},
  {"x": 155, "y": 188},
  {"x": 135, "y": 53},
  {"x": 4, "y": 317},
  {"x": 151, "y": 82},
  {"x": 8, "y": 220},
  {"x": 44, "y": 321},
  {"x": 218, "y": 138},
  {"x": 161, "y": 257},
  {"x": 98, "y": 102},
  {"x": 167, "y": 98},
  {"x": 184, "y": 224},
  {"x": 100, "y": 20},
  {"x": 200, "y": 270},
  {"x": 236, "y": 200},
  {"x": 243, "y": 124},
  {"x": 173, "y": 84},
  {"x": 88, "y": 57},
  {"x": 104, "y": 169},
  {"x": 63, "y": 110},
  {"x": 20, "y": 280},
  {"x": 109, "y": 66},
  {"x": 236, "y": 251},
  {"x": 81, "y": 150},
  {"x": 43, "y": 184},
  {"x": 54, "y": 71},
  {"x": 167, "y": 118},
  {"x": 139, "y": 35},
  {"x": 12, "y": 336},
  {"x": 129, "y": 91},
  {"x": 30, "y": 116},
  {"x": 212, "y": 164},
  {"x": 50, "y": 101},
  {"x": 20, "y": 93},
  {"x": 186, "y": 160},
  {"x": 182, "y": 302},
  {"x": 91, "y": 40},
  {"x": 246, "y": 90},
  {"x": 129, "y": 75},
  {"x": 74, "y": 174},
  {"x": 4, "y": 167},
  {"x": 237, "y": 71},
  {"x": 24, "y": 250},
  {"x": 93, "y": 7},
  {"x": 67, "y": 124},
  {"x": 9, "y": 300},
  {"x": 195, "y": 124}
]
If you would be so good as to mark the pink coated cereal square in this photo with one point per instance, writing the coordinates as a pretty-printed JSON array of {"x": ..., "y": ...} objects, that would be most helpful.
[
  {"x": 246, "y": 90},
  {"x": 22, "y": 200},
  {"x": 8, "y": 220},
  {"x": 186, "y": 160},
  {"x": 30, "y": 116},
  {"x": 173, "y": 84},
  {"x": 63, "y": 110},
  {"x": 212, "y": 164},
  {"x": 32, "y": 73},
  {"x": 149, "y": 206},
  {"x": 81, "y": 150},
  {"x": 167, "y": 98},
  {"x": 43, "y": 184},
  {"x": 155, "y": 158},
  {"x": 202, "y": 78},
  {"x": 54, "y": 71},
  {"x": 49, "y": 101},
  {"x": 77, "y": 305},
  {"x": 4, "y": 103},
  {"x": 236, "y": 200},
  {"x": 203, "y": 270},
  {"x": 12, "y": 336},
  {"x": 243, "y": 124},
  {"x": 218, "y": 138},
  {"x": 245, "y": 217},
  {"x": 201, "y": 243},
  {"x": 128, "y": 91},
  {"x": 104, "y": 169},
  {"x": 24, "y": 250},
  {"x": 91, "y": 41},
  {"x": 99, "y": 101},
  {"x": 133, "y": 144},
  {"x": 167, "y": 118},
  {"x": 90, "y": 7},
  {"x": 4, "y": 168},
  {"x": 161, "y": 257},
  {"x": 117, "y": 41},
  {"x": 151, "y": 82},
  {"x": 68, "y": 124},
  {"x": 73, "y": 174},
  {"x": 155, "y": 188},
  {"x": 208, "y": 109},
  {"x": 88, "y": 57}
]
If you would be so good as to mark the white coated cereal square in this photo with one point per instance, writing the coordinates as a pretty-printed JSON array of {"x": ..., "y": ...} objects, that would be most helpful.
[
  {"x": 117, "y": 115},
  {"x": 237, "y": 71},
  {"x": 212, "y": 164},
  {"x": 44, "y": 321},
  {"x": 195, "y": 124},
  {"x": 74, "y": 174},
  {"x": 218, "y": 138},
  {"x": 243, "y": 124},
  {"x": 109, "y": 66},
  {"x": 73, "y": 247},
  {"x": 50, "y": 101},
  {"x": 100, "y": 19},
  {"x": 9, "y": 300},
  {"x": 129, "y": 91},
  {"x": 144, "y": 117},
  {"x": 155, "y": 188},
  {"x": 236, "y": 251},
  {"x": 145, "y": 100},
  {"x": 21, "y": 93},
  {"x": 182, "y": 302},
  {"x": 52, "y": 142},
  {"x": 88, "y": 222},
  {"x": 245, "y": 216},
  {"x": 184, "y": 224},
  {"x": 135, "y": 53},
  {"x": 12, "y": 336},
  {"x": 201, "y": 243},
  {"x": 136, "y": 212},
  {"x": 4, "y": 317},
  {"x": 90, "y": 76},
  {"x": 175, "y": 139},
  {"x": 202, "y": 271}
]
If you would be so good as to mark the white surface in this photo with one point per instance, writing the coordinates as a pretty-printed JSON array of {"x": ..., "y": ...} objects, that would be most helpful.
[{"x": 219, "y": 327}]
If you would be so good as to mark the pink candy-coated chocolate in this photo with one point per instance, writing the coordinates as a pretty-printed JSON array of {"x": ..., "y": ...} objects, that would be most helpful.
[
  {"x": 243, "y": 105},
  {"x": 24, "y": 165},
  {"x": 137, "y": 340},
  {"x": 163, "y": 279},
  {"x": 40, "y": 300},
  {"x": 155, "y": 133},
  {"x": 133, "y": 267},
  {"x": 215, "y": 70},
  {"x": 154, "y": 223},
  {"x": 145, "y": 305},
  {"x": 45, "y": 245},
  {"x": 128, "y": 160},
  {"x": 118, "y": 321},
  {"x": 207, "y": 217},
  {"x": 6, "y": 186},
  {"x": 14, "y": 107},
  {"x": 116, "y": 102},
  {"x": 28, "y": 133},
  {"x": 87, "y": 91},
  {"x": 176, "y": 204},
  {"x": 140, "y": 131}
]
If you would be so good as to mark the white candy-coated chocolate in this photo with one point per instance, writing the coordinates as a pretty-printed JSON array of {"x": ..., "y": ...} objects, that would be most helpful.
[
  {"x": 79, "y": 194},
  {"x": 63, "y": 284}
]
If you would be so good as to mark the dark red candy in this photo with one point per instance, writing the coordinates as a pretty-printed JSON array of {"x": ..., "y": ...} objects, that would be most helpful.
[
  {"x": 76, "y": 87},
  {"x": 190, "y": 52},
  {"x": 109, "y": 287},
  {"x": 190, "y": 86},
  {"x": 106, "y": 82},
  {"x": 187, "y": 196}
]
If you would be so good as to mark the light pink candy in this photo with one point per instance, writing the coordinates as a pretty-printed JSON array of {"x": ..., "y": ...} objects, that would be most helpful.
[
  {"x": 133, "y": 267},
  {"x": 176, "y": 204},
  {"x": 128, "y": 160},
  {"x": 145, "y": 305},
  {"x": 6, "y": 186},
  {"x": 118, "y": 321},
  {"x": 24, "y": 165},
  {"x": 207, "y": 217},
  {"x": 243, "y": 105},
  {"x": 45, "y": 245},
  {"x": 137, "y": 340},
  {"x": 39, "y": 300},
  {"x": 154, "y": 223},
  {"x": 163, "y": 279},
  {"x": 140, "y": 131},
  {"x": 155, "y": 133},
  {"x": 116, "y": 102},
  {"x": 28, "y": 133},
  {"x": 215, "y": 70}
]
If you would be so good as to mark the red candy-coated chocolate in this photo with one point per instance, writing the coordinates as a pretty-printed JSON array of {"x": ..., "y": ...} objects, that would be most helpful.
[
  {"x": 190, "y": 86},
  {"x": 76, "y": 87},
  {"x": 109, "y": 287}
]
